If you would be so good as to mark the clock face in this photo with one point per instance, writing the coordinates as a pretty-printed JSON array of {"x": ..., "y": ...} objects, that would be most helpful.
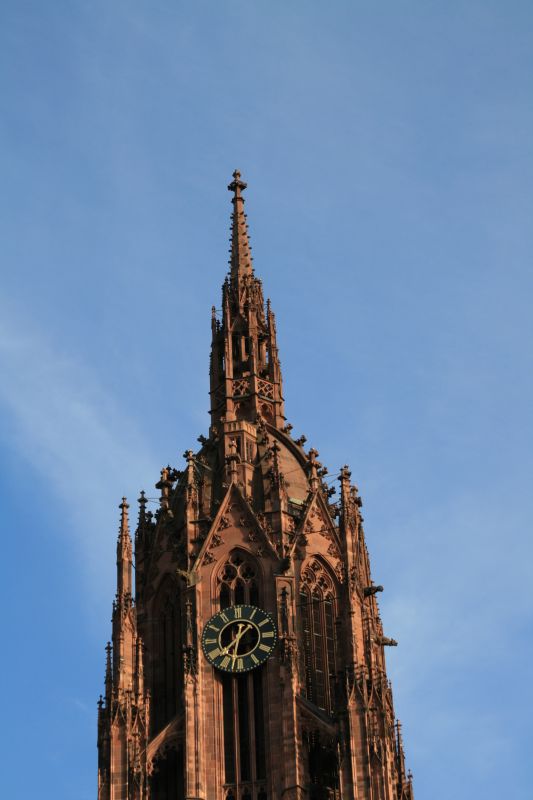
[{"x": 239, "y": 638}]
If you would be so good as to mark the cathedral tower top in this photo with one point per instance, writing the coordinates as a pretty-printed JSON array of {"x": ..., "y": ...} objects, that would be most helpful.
[{"x": 247, "y": 658}]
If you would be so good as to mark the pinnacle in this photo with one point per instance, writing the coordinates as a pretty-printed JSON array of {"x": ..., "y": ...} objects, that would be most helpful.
[
  {"x": 142, "y": 501},
  {"x": 124, "y": 522}
]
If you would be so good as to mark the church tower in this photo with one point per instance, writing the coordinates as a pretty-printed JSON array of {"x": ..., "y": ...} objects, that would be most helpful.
[{"x": 247, "y": 656}]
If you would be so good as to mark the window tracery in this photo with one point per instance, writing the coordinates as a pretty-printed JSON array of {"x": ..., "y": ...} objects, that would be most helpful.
[
  {"x": 238, "y": 581},
  {"x": 317, "y": 627}
]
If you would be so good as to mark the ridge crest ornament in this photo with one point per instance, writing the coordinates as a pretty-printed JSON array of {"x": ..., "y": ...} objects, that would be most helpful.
[{"x": 239, "y": 638}]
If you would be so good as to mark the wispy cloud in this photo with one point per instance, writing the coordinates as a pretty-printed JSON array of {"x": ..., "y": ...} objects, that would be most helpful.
[
  {"x": 458, "y": 603},
  {"x": 62, "y": 418}
]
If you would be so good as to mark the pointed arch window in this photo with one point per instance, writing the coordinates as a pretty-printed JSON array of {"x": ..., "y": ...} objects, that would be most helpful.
[
  {"x": 242, "y": 695},
  {"x": 317, "y": 631},
  {"x": 167, "y": 663}
]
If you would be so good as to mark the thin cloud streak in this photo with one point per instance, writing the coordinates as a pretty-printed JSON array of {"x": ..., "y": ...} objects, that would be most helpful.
[{"x": 66, "y": 424}]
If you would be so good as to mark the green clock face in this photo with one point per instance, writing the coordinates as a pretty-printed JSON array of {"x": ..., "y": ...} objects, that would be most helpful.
[{"x": 239, "y": 639}]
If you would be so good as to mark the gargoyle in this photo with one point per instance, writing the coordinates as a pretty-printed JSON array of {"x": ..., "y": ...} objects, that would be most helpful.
[
  {"x": 386, "y": 642},
  {"x": 368, "y": 591}
]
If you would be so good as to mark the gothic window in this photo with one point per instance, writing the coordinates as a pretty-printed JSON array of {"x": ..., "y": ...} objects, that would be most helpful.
[
  {"x": 167, "y": 663},
  {"x": 242, "y": 695},
  {"x": 317, "y": 630}
]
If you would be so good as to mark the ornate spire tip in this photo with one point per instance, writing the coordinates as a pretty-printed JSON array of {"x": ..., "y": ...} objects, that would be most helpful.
[{"x": 237, "y": 186}]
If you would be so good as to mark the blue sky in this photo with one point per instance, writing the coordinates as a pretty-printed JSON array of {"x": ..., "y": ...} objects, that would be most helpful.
[{"x": 388, "y": 152}]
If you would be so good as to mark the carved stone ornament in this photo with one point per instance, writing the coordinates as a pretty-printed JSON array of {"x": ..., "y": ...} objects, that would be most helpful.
[
  {"x": 208, "y": 558},
  {"x": 216, "y": 540}
]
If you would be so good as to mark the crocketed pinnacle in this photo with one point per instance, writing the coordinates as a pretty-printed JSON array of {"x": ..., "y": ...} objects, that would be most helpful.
[{"x": 241, "y": 259}]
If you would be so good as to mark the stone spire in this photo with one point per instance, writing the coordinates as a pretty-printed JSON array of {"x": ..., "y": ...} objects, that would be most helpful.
[
  {"x": 244, "y": 367},
  {"x": 241, "y": 260}
]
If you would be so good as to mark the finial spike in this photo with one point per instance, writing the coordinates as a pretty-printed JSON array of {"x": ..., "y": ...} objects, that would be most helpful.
[
  {"x": 237, "y": 186},
  {"x": 241, "y": 262}
]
